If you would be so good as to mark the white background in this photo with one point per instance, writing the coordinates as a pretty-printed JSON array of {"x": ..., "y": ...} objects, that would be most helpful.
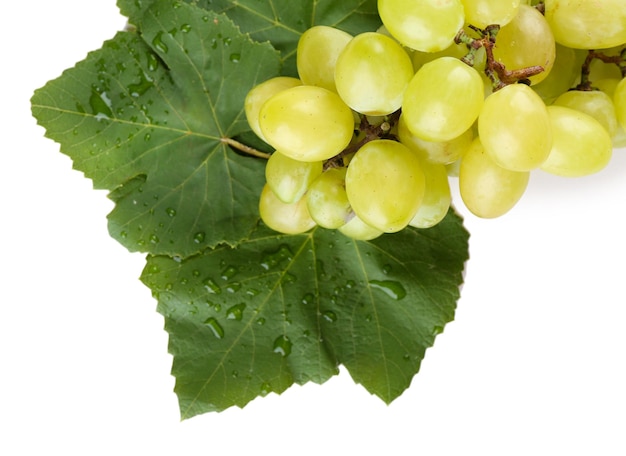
[{"x": 532, "y": 365}]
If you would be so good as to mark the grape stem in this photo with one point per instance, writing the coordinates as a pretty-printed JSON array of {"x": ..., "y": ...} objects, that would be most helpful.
[
  {"x": 585, "y": 71},
  {"x": 245, "y": 148},
  {"x": 495, "y": 71},
  {"x": 371, "y": 132}
]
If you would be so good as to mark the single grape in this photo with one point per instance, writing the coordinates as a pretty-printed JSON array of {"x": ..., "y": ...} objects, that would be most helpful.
[
  {"x": 327, "y": 199},
  {"x": 526, "y": 41},
  {"x": 260, "y": 94},
  {"x": 425, "y": 25},
  {"x": 587, "y": 24},
  {"x": 285, "y": 218},
  {"x": 307, "y": 123},
  {"x": 619, "y": 99},
  {"x": 482, "y": 13},
  {"x": 443, "y": 100},
  {"x": 358, "y": 230},
  {"x": 593, "y": 102},
  {"x": 443, "y": 152},
  {"x": 488, "y": 190},
  {"x": 316, "y": 55},
  {"x": 372, "y": 73},
  {"x": 385, "y": 184},
  {"x": 582, "y": 146},
  {"x": 289, "y": 179},
  {"x": 436, "y": 202},
  {"x": 514, "y": 128}
]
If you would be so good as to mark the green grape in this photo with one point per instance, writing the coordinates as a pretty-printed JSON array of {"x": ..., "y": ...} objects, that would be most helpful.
[
  {"x": 385, "y": 184},
  {"x": 425, "y": 25},
  {"x": 563, "y": 76},
  {"x": 372, "y": 73},
  {"x": 443, "y": 152},
  {"x": 442, "y": 100},
  {"x": 607, "y": 85},
  {"x": 289, "y": 179},
  {"x": 316, "y": 55},
  {"x": 526, "y": 41},
  {"x": 582, "y": 146},
  {"x": 307, "y": 123},
  {"x": 514, "y": 128},
  {"x": 595, "y": 103},
  {"x": 619, "y": 99},
  {"x": 487, "y": 189},
  {"x": 359, "y": 230},
  {"x": 482, "y": 13},
  {"x": 437, "y": 197},
  {"x": 285, "y": 218},
  {"x": 457, "y": 51},
  {"x": 587, "y": 24},
  {"x": 327, "y": 199},
  {"x": 260, "y": 94}
]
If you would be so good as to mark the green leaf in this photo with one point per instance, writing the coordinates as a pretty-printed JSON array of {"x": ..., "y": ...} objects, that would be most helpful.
[
  {"x": 281, "y": 22},
  {"x": 280, "y": 309},
  {"x": 145, "y": 117}
]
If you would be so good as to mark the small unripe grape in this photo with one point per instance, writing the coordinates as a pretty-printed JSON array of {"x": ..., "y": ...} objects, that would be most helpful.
[
  {"x": 327, "y": 199},
  {"x": 289, "y": 179}
]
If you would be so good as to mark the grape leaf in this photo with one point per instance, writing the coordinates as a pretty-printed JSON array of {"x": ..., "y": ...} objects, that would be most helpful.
[
  {"x": 281, "y": 22},
  {"x": 281, "y": 309},
  {"x": 146, "y": 117}
]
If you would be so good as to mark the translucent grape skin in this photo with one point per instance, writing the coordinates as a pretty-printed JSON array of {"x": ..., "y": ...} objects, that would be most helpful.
[
  {"x": 514, "y": 128},
  {"x": 587, "y": 24},
  {"x": 260, "y": 94},
  {"x": 327, "y": 199},
  {"x": 358, "y": 230},
  {"x": 289, "y": 179},
  {"x": 581, "y": 146},
  {"x": 307, "y": 123},
  {"x": 619, "y": 99},
  {"x": 425, "y": 25},
  {"x": 526, "y": 41},
  {"x": 372, "y": 73},
  {"x": 443, "y": 152},
  {"x": 488, "y": 190},
  {"x": 285, "y": 218},
  {"x": 562, "y": 76},
  {"x": 316, "y": 55},
  {"x": 593, "y": 102},
  {"x": 443, "y": 100},
  {"x": 482, "y": 13},
  {"x": 378, "y": 174},
  {"x": 437, "y": 198}
]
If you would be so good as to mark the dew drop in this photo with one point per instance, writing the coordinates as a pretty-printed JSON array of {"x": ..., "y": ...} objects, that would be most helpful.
[
  {"x": 265, "y": 389},
  {"x": 282, "y": 346},
  {"x": 393, "y": 289},
  {"x": 330, "y": 316},
  {"x": 252, "y": 292},
  {"x": 387, "y": 269},
  {"x": 154, "y": 239},
  {"x": 158, "y": 43},
  {"x": 170, "y": 211},
  {"x": 215, "y": 327},
  {"x": 211, "y": 286},
  {"x": 147, "y": 137},
  {"x": 308, "y": 298},
  {"x": 199, "y": 237},
  {"x": 235, "y": 57},
  {"x": 260, "y": 321},
  {"x": 236, "y": 312},
  {"x": 229, "y": 272},
  {"x": 233, "y": 287},
  {"x": 153, "y": 62},
  {"x": 185, "y": 28},
  {"x": 273, "y": 259}
]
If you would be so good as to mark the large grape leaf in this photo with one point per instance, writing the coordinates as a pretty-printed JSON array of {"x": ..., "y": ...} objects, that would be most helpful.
[
  {"x": 146, "y": 116},
  {"x": 281, "y": 22},
  {"x": 281, "y": 309}
]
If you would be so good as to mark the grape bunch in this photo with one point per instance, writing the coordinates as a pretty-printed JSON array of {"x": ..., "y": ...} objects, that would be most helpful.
[{"x": 376, "y": 126}]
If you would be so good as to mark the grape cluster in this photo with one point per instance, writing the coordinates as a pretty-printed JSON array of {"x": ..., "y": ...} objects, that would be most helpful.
[{"x": 368, "y": 136}]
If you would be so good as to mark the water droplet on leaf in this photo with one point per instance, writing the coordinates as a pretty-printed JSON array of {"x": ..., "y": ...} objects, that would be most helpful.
[
  {"x": 158, "y": 43},
  {"x": 199, "y": 237},
  {"x": 282, "y": 346},
  {"x": 393, "y": 289},
  {"x": 215, "y": 327},
  {"x": 236, "y": 312},
  {"x": 211, "y": 286}
]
